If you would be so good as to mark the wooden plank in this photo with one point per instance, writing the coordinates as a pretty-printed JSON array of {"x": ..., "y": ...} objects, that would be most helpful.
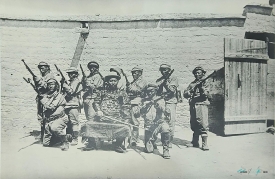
[
  {"x": 233, "y": 88},
  {"x": 257, "y": 88},
  {"x": 252, "y": 86},
  {"x": 245, "y": 118},
  {"x": 79, "y": 49},
  {"x": 248, "y": 87},
  {"x": 245, "y": 128},
  {"x": 239, "y": 88},
  {"x": 226, "y": 86},
  {"x": 260, "y": 86},
  {"x": 245, "y": 48},
  {"x": 264, "y": 78}
]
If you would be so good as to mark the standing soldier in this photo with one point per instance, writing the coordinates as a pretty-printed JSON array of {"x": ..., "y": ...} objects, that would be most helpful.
[
  {"x": 135, "y": 91},
  {"x": 72, "y": 91},
  {"x": 56, "y": 120},
  {"x": 41, "y": 86},
  {"x": 91, "y": 85},
  {"x": 168, "y": 85},
  {"x": 198, "y": 94},
  {"x": 156, "y": 118}
]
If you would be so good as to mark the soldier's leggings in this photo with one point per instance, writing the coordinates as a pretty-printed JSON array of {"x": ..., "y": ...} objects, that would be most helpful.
[
  {"x": 172, "y": 107},
  {"x": 199, "y": 118},
  {"x": 56, "y": 127},
  {"x": 73, "y": 114},
  {"x": 135, "y": 114},
  {"x": 89, "y": 109},
  {"x": 154, "y": 130}
]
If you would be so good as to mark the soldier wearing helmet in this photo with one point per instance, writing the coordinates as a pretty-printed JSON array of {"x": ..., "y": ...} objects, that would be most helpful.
[
  {"x": 73, "y": 97},
  {"x": 168, "y": 85},
  {"x": 198, "y": 94},
  {"x": 41, "y": 85},
  {"x": 156, "y": 117},
  {"x": 91, "y": 84},
  {"x": 135, "y": 91},
  {"x": 56, "y": 120}
]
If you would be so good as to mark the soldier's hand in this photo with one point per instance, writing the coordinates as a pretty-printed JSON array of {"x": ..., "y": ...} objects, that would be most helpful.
[
  {"x": 99, "y": 113},
  {"x": 66, "y": 87},
  {"x": 36, "y": 78}
]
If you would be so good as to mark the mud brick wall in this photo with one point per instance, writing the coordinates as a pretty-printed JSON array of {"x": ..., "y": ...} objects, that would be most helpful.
[{"x": 184, "y": 41}]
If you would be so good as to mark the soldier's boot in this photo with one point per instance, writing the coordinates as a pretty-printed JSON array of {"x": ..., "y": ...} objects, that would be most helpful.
[
  {"x": 118, "y": 146},
  {"x": 65, "y": 142},
  {"x": 170, "y": 143},
  {"x": 204, "y": 142},
  {"x": 195, "y": 141},
  {"x": 135, "y": 137},
  {"x": 91, "y": 145},
  {"x": 75, "y": 138},
  {"x": 165, "y": 138}
]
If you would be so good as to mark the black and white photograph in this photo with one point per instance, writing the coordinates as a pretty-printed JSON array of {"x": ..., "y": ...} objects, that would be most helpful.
[{"x": 148, "y": 89}]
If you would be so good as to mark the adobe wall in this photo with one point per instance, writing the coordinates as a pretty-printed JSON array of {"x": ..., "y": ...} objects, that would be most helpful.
[{"x": 182, "y": 40}]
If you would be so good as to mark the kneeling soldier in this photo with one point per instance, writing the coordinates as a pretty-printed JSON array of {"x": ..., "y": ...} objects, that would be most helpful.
[
  {"x": 56, "y": 120},
  {"x": 198, "y": 94},
  {"x": 156, "y": 120}
]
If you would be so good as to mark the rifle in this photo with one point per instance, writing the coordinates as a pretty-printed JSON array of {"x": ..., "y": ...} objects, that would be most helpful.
[
  {"x": 83, "y": 73},
  {"x": 33, "y": 86},
  {"x": 202, "y": 80},
  {"x": 126, "y": 123},
  {"x": 60, "y": 72},
  {"x": 28, "y": 68},
  {"x": 159, "y": 91},
  {"x": 118, "y": 71}
]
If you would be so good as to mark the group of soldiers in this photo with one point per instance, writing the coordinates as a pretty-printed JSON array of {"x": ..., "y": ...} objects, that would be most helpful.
[{"x": 108, "y": 103}]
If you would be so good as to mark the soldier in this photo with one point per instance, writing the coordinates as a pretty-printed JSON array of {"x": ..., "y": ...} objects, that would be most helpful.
[
  {"x": 56, "y": 120},
  {"x": 198, "y": 94},
  {"x": 91, "y": 85},
  {"x": 73, "y": 98},
  {"x": 111, "y": 102},
  {"x": 135, "y": 91},
  {"x": 168, "y": 85},
  {"x": 41, "y": 85},
  {"x": 156, "y": 119}
]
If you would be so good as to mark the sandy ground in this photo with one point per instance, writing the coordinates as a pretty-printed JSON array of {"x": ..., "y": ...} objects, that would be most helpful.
[{"x": 26, "y": 159}]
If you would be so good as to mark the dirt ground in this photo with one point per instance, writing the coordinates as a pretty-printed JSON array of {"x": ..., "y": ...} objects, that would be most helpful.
[{"x": 24, "y": 158}]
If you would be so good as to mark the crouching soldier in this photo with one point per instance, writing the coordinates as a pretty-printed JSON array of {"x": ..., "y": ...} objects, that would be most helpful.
[
  {"x": 56, "y": 120},
  {"x": 73, "y": 105},
  {"x": 156, "y": 120},
  {"x": 197, "y": 93},
  {"x": 112, "y": 113}
]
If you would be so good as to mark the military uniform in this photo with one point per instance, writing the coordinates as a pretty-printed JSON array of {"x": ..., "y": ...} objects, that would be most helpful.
[
  {"x": 169, "y": 88},
  {"x": 72, "y": 91},
  {"x": 41, "y": 85},
  {"x": 112, "y": 103},
  {"x": 91, "y": 85},
  {"x": 55, "y": 117},
  {"x": 135, "y": 91},
  {"x": 198, "y": 101},
  {"x": 156, "y": 119}
]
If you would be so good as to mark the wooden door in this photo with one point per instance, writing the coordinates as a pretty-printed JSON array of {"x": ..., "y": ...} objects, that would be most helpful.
[{"x": 245, "y": 66}]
